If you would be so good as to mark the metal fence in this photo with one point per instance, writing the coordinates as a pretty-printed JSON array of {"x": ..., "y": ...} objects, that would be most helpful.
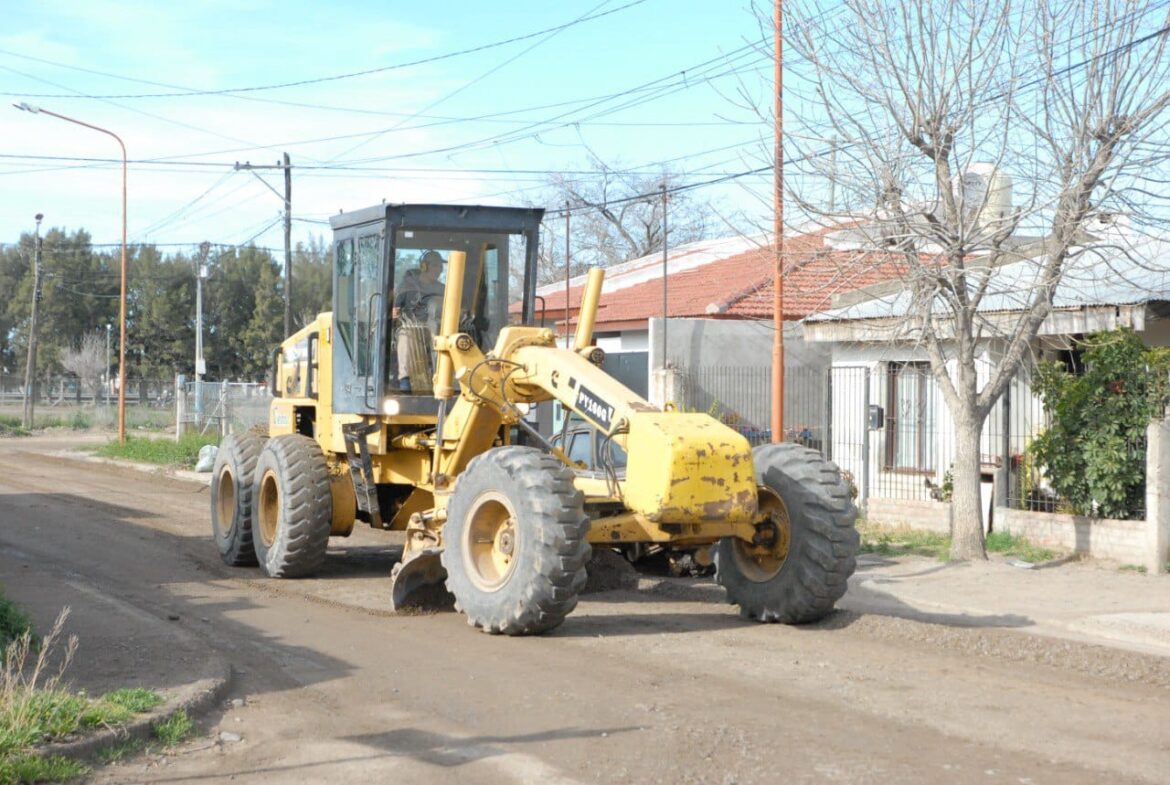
[
  {"x": 220, "y": 407},
  {"x": 740, "y": 396},
  {"x": 71, "y": 391},
  {"x": 887, "y": 426}
]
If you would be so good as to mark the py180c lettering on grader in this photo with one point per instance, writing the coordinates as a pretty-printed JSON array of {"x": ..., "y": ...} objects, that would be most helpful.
[{"x": 403, "y": 409}]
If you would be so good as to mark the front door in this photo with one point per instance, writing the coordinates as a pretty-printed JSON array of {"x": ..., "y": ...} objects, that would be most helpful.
[{"x": 359, "y": 319}]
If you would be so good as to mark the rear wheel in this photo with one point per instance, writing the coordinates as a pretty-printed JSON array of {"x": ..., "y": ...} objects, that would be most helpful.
[
  {"x": 805, "y": 547},
  {"x": 293, "y": 508},
  {"x": 231, "y": 498},
  {"x": 514, "y": 542}
]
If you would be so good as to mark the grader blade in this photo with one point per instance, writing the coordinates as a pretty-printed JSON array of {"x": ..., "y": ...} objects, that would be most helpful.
[{"x": 418, "y": 583}]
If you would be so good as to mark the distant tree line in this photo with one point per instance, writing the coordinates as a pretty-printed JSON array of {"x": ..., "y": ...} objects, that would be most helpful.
[{"x": 243, "y": 305}]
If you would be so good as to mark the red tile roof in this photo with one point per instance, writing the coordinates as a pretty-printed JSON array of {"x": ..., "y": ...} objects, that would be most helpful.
[{"x": 738, "y": 286}]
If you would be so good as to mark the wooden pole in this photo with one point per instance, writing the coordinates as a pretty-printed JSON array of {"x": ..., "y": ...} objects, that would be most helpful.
[{"x": 778, "y": 233}]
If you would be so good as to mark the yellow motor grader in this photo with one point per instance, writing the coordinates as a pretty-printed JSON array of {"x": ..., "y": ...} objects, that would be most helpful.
[{"x": 406, "y": 408}]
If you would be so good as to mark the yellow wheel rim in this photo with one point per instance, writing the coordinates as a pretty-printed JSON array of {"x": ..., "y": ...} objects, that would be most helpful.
[
  {"x": 268, "y": 510},
  {"x": 762, "y": 560},
  {"x": 225, "y": 501},
  {"x": 490, "y": 543}
]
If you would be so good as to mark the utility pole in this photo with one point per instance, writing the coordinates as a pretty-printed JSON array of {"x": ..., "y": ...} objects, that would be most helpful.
[
  {"x": 30, "y": 366},
  {"x": 287, "y": 199},
  {"x": 778, "y": 232},
  {"x": 200, "y": 365},
  {"x": 665, "y": 275},
  {"x": 568, "y": 272},
  {"x": 287, "y": 247}
]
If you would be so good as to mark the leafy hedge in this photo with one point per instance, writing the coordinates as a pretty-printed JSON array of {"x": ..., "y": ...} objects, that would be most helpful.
[{"x": 1093, "y": 454}]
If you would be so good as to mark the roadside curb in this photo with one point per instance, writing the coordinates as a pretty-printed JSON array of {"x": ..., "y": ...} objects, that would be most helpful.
[{"x": 196, "y": 699}]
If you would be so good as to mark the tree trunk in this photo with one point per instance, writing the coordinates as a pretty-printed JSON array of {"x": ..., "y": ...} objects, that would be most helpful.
[{"x": 966, "y": 500}]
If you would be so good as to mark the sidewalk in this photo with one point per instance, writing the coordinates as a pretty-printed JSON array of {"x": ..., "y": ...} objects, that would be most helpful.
[
  {"x": 119, "y": 645},
  {"x": 1087, "y": 601}
]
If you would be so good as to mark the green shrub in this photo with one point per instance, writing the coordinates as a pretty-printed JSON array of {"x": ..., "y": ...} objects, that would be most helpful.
[
  {"x": 13, "y": 622},
  {"x": 1093, "y": 453}
]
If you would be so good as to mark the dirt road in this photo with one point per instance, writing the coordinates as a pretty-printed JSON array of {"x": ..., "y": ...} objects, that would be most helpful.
[{"x": 636, "y": 687}]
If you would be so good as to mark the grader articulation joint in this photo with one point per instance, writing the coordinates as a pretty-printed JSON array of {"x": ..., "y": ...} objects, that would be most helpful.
[{"x": 405, "y": 407}]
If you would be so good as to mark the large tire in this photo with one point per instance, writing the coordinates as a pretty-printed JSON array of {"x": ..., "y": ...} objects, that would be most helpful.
[
  {"x": 231, "y": 498},
  {"x": 293, "y": 508},
  {"x": 514, "y": 543},
  {"x": 809, "y": 567}
]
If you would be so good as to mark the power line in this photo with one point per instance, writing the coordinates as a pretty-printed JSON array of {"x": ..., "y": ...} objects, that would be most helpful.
[{"x": 185, "y": 92}]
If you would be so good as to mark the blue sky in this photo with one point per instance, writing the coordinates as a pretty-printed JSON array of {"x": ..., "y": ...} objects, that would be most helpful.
[{"x": 428, "y": 150}]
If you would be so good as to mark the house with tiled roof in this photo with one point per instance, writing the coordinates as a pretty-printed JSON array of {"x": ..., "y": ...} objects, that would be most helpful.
[{"x": 718, "y": 302}]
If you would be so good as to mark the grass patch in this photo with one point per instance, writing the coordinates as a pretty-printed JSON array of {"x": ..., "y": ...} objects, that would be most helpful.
[
  {"x": 174, "y": 729},
  {"x": 121, "y": 751},
  {"x": 11, "y": 425},
  {"x": 23, "y": 768},
  {"x": 1017, "y": 547},
  {"x": 135, "y": 699},
  {"x": 35, "y": 709},
  {"x": 1139, "y": 568},
  {"x": 165, "y": 452},
  {"x": 903, "y": 541}
]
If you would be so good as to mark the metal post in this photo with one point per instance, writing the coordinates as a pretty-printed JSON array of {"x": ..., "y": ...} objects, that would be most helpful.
[
  {"x": 287, "y": 247},
  {"x": 180, "y": 404},
  {"x": 568, "y": 271},
  {"x": 30, "y": 366},
  {"x": 863, "y": 491},
  {"x": 665, "y": 302},
  {"x": 1006, "y": 470},
  {"x": 778, "y": 232},
  {"x": 224, "y": 414},
  {"x": 200, "y": 366},
  {"x": 828, "y": 431},
  {"x": 106, "y": 375}
]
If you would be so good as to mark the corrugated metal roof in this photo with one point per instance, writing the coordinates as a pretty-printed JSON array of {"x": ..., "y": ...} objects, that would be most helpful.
[{"x": 1100, "y": 276}]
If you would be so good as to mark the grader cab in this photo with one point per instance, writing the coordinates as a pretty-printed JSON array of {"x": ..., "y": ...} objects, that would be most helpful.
[{"x": 405, "y": 408}]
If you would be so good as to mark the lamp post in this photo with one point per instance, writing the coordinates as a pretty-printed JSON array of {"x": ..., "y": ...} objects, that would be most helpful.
[{"x": 122, "y": 312}]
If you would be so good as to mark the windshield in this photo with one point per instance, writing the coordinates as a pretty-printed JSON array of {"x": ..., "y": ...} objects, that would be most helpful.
[{"x": 418, "y": 285}]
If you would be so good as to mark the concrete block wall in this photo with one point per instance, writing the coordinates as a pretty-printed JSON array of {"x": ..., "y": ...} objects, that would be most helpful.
[
  {"x": 1100, "y": 538},
  {"x": 1143, "y": 543},
  {"x": 923, "y": 514}
]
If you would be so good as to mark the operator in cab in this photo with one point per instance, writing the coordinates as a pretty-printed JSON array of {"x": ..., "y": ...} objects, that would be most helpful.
[{"x": 416, "y": 306}]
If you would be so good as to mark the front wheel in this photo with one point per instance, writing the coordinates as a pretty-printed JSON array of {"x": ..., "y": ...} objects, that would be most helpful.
[
  {"x": 514, "y": 543},
  {"x": 806, "y": 544}
]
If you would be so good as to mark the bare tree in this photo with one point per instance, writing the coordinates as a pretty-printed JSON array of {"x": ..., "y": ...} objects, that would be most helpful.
[
  {"x": 617, "y": 216},
  {"x": 86, "y": 359},
  {"x": 935, "y": 109}
]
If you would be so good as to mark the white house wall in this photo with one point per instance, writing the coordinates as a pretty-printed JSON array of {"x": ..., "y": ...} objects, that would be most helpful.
[{"x": 851, "y": 363}]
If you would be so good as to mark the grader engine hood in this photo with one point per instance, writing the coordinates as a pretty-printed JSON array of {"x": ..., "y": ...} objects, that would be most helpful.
[{"x": 688, "y": 468}]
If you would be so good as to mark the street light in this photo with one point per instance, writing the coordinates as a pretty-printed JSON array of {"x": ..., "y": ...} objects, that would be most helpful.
[{"x": 122, "y": 315}]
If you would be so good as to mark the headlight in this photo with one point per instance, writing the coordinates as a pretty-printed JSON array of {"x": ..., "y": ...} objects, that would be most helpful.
[{"x": 390, "y": 407}]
